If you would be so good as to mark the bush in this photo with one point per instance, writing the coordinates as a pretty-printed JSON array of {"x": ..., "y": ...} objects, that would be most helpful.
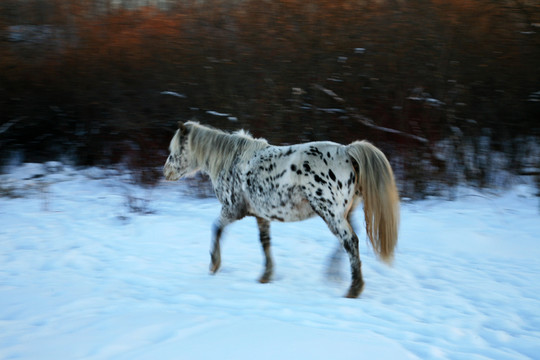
[{"x": 94, "y": 81}]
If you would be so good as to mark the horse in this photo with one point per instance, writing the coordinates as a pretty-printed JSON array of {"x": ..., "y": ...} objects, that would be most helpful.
[{"x": 250, "y": 177}]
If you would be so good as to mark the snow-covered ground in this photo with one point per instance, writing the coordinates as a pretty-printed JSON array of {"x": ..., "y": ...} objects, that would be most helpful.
[{"x": 92, "y": 267}]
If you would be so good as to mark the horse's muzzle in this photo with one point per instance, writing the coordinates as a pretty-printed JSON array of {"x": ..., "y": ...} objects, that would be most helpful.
[{"x": 169, "y": 173}]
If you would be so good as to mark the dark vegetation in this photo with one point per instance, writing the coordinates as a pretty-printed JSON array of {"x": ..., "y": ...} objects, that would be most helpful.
[{"x": 449, "y": 89}]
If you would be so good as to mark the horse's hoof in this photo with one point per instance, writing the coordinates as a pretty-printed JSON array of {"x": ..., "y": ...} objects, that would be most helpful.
[
  {"x": 216, "y": 263},
  {"x": 214, "y": 267},
  {"x": 355, "y": 291},
  {"x": 266, "y": 277}
]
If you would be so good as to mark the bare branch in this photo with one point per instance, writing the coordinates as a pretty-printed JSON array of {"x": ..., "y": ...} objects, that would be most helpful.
[{"x": 365, "y": 120}]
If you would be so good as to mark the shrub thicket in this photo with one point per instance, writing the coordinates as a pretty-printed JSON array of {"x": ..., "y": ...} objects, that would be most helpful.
[{"x": 457, "y": 80}]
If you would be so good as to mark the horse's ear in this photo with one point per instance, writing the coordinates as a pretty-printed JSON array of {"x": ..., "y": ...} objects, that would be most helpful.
[{"x": 182, "y": 127}]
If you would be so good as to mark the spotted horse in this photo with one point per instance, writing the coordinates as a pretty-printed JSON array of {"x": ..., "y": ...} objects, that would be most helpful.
[{"x": 291, "y": 183}]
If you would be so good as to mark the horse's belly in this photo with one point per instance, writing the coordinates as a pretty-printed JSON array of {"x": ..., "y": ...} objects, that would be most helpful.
[{"x": 282, "y": 205}]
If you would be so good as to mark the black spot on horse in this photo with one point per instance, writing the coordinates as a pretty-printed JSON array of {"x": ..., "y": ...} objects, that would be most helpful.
[
  {"x": 332, "y": 175},
  {"x": 351, "y": 179},
  {"x": 289, "y": 152},
  {"x": 319, "y": 179},
  {"x": 339, "y": 185},
  {"x": 280, "y": 174},
  {"x": 319, "y": 192},
  {"x": 313, "y": 151},
  {"x": 293, "y": 167},
  {"x": 307, "y": 167}
]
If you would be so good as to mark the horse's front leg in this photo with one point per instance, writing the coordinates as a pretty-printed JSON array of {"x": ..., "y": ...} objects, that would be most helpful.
[
  {"x": 215, "y": 254},
  {"x": 264, "y": 235},
  {"x": 217, "y": 231}
]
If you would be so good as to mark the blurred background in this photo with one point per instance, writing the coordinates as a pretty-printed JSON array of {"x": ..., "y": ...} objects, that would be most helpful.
[{"x": 448, "y": 89}]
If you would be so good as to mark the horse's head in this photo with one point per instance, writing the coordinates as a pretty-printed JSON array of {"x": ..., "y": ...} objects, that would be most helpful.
[{"x": 179, "y": 163}]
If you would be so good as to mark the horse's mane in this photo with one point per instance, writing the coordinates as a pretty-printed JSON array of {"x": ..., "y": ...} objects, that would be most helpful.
[{"x": 215, "y": 150}]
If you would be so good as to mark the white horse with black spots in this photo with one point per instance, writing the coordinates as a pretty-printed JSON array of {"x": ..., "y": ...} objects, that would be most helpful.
[{"x": 292, "y": 183}]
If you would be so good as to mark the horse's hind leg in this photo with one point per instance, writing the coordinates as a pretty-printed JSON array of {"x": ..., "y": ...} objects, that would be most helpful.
[
  {"x": 334, "y": 264},
  {"x": 344, "y": 232},
  {"x": 357, "y": 283},
  {"x": 264, "y": 235}
]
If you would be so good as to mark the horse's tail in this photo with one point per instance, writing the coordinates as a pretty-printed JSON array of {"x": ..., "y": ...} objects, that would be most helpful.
[{"x": 375, "y": 180}]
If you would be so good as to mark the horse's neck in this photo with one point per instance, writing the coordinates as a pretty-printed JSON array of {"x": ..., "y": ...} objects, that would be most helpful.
[{"x": 215, "y": 155}]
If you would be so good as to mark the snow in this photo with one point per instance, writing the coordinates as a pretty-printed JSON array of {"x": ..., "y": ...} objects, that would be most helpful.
[
  {"x": 228, "y": 116},
  {"x": 215, "y": 113},
  {"x": 173, "y": 93},
  {"x": 84, "y": 274}
]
